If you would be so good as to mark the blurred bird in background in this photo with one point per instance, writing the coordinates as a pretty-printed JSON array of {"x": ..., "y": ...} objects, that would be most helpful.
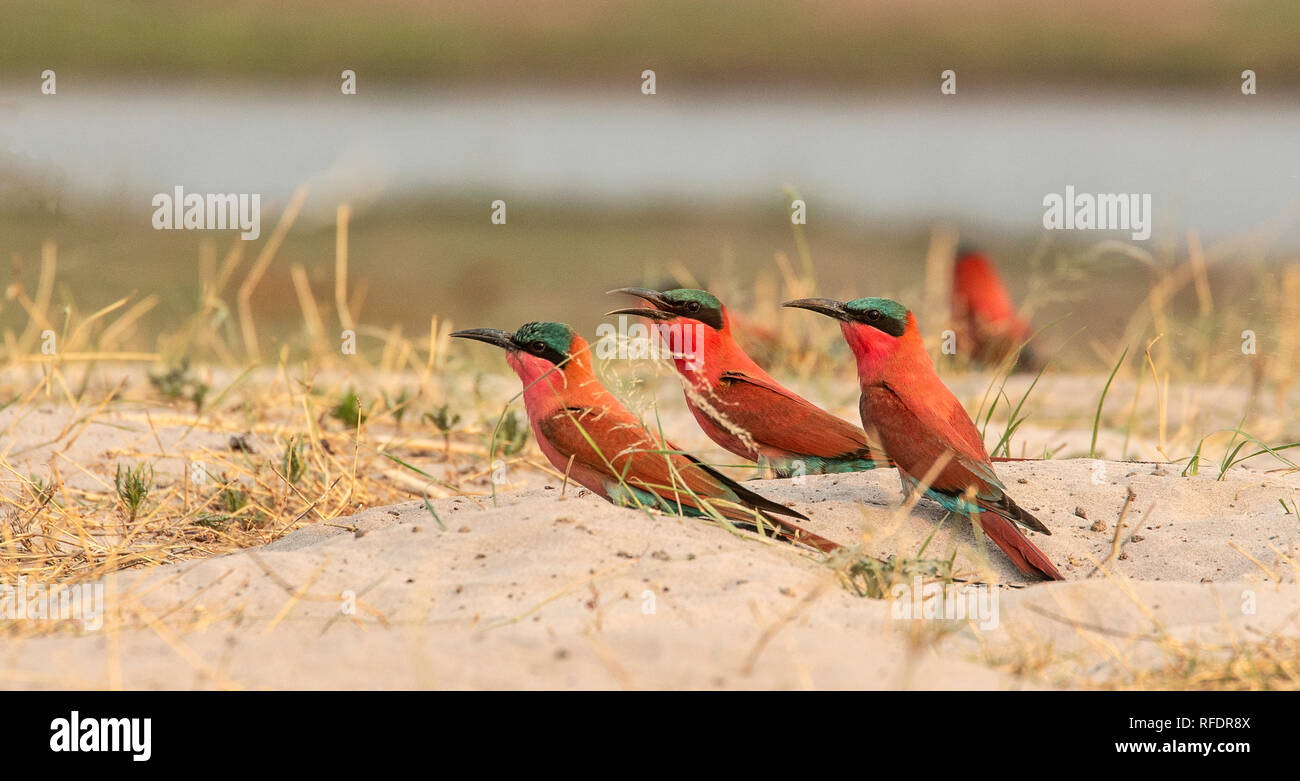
[{"x": 989, "y": 329}]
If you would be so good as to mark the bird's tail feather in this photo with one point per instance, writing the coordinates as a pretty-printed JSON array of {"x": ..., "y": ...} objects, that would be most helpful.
[
  {"x": 1007, "y": 508},
  {"x": 1023, "y": 553},
  {"x": 744, "y": 494},
  {"x": 792, "y": 533},
  {"x": 769, "y": 509}
]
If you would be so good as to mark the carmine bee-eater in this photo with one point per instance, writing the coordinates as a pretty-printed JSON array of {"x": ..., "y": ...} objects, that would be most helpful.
[
  {"x": 923, "y": 426},
  {"x": 587, "y": 434},
  {"x": 740, "y": 406},
  {"x": 988, "y": 325}
]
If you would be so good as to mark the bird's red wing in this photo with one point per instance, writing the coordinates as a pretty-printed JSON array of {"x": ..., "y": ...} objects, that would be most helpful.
[
  {"x": 915, "y": 438},
  {"x": 777, "y": 418},
  {"x": 915, "y": 444},
  {"x": 629, "y": 453}
]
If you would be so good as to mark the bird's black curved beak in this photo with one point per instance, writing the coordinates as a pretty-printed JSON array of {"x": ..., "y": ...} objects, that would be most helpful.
[
  {"x": 502, "y": 339},
  {"x": 645, "y": 294},
  {"x": 825, "y": 306},
  {"x": 643, "y": 311}
]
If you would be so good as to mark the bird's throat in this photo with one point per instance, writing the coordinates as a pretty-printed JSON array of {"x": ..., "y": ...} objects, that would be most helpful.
[
  {"x": 874, "y": 350},
  {"x": 545, "y": 384}
]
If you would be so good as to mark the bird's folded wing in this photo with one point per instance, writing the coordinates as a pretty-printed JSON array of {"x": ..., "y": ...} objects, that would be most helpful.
[
  {"x": 631, "y": 455},
  {"x": 777, "y": 418},
  {"x": 614, "y": 444},
  {"x": 927, "y": 441},
  {"x": 917, "y": 436},
  {"x": 748, "y": 497}
]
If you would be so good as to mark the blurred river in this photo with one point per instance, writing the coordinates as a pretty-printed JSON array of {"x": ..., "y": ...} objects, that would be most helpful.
[{"x": 1221, "y": 164}]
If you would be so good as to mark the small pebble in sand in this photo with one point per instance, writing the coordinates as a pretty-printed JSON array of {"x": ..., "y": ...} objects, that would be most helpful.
[
  {"x": 1079, "y": 511},
  {"x": 463, "y": 530},
  {"x": 1098, "y": 526},
  {"x": 1123, "y": 556},
  {"x": 1136, "y": 538}
]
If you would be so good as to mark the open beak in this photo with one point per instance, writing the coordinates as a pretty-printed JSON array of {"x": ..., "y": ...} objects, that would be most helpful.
[
  {"x": 643, "y": 311},
  {"x": 654, "y": 297},
  {"x": 645, "y": 294},
  {"x": 495, "y": 336},
  {"x": 825, "y": 306}
]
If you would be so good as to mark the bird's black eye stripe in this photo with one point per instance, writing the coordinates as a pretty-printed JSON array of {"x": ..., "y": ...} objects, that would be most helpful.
[
  {"x": 878, "y": 319},
  {"x": 696, "y": 311}
]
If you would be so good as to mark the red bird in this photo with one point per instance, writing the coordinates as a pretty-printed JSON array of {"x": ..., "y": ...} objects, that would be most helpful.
[
  {"x": 740, "y": 406},
  {"x": 923, "y": 426},
  {"x": 587, "y": 434},
  {"x": 989, "y": 327}
]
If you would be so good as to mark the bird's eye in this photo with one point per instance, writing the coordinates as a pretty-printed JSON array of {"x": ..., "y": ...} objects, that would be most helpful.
[
  {"x": 539, "y": 346},
  {"x": 873, "y": 314},
  {"x": 692, "y": 306}
]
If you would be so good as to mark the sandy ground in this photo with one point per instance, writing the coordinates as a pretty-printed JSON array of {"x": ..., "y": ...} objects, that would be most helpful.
[
  {"x": 551, "y": 591},
  {"x": 553, "y": 588}
]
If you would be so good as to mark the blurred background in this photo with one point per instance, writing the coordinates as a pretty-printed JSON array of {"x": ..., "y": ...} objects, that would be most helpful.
[{"x": 540, "y": 104}]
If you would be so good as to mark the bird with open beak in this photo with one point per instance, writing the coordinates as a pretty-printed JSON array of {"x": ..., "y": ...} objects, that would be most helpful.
[{"x": 738, "y": 404}]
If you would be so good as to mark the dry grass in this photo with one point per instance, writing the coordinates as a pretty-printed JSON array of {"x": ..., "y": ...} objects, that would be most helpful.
[
  {"x": 1273, "y": 665},
  {"x": 219, "y": 436},
  {"x": 229, "y": 450}
]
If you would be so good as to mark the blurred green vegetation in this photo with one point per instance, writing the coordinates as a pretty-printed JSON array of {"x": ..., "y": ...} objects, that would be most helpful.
[{"x": 831, "y": 42}]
